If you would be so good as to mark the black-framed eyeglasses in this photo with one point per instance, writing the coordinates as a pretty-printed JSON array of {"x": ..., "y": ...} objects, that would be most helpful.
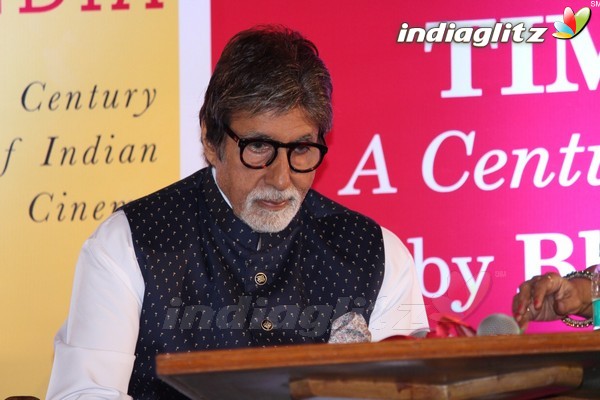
[{"x": 257, "y": 153}]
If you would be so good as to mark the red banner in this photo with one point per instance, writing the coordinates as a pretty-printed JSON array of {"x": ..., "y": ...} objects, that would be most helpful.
[{"x": 482, "y": 157}]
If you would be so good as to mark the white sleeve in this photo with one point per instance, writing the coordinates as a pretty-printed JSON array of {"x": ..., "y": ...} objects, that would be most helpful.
[
  {"x": 399, "y": 309},
  {"x": 95, "y": 347}
]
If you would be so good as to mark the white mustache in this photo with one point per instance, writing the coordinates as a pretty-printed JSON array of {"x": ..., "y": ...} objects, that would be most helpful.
[{"x": 273, "y": 195}]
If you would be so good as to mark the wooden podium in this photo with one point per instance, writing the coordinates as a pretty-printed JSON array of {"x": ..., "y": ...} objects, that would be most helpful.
[{"x": 488, "y": 367}]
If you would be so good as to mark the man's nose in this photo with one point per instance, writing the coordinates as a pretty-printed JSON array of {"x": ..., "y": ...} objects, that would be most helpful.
[{"x": 279, "y": 173}]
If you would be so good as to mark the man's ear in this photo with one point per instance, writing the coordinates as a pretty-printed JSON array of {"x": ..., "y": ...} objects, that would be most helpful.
[{"x": 210, "y": 152}]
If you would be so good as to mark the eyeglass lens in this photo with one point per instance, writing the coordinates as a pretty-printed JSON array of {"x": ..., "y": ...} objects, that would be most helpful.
[{"x": 301, "y": 157}]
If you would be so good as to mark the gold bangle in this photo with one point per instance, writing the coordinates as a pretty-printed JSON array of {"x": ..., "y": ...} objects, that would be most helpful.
[
  {"x": 574, "y": 323},
  {"x": 579, "y": 274}
]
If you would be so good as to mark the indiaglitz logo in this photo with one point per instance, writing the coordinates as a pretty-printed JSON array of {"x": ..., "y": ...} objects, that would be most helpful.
[
  {"x": 490, "y": 31},
  {"x": 572, "y": 24},
  {"x": 446, "y": 32}
]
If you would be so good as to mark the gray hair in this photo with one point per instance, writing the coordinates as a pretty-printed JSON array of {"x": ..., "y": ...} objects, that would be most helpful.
[{"x": 267, "y": 69}]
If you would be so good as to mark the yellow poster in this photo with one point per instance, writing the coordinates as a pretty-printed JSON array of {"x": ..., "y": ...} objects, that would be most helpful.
[{"x": 89, "y": 120}]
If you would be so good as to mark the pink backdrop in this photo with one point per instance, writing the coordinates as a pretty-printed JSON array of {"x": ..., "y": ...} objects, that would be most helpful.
[{"x": 499, "y": 104}]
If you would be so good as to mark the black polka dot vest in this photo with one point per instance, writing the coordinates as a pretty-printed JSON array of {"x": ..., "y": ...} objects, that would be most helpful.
[{"x": 213, "y": 283}]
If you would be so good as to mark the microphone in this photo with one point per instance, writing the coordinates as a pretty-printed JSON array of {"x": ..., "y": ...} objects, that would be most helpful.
[
  {"x": 350, "y": 328},
  {"x": 498, "y": 324},
  {"x": 420, "y": 333}
]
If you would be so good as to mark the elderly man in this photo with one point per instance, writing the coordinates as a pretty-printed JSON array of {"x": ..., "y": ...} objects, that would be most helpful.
[{"x": 241, "y": 253}]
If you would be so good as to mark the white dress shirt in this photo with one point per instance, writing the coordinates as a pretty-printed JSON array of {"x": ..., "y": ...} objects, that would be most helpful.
[{"x": 95, "y": 347}]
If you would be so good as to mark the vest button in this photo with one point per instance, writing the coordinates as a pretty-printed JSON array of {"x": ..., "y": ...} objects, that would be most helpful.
[
  {"x": 260, "y": 278},
  {"x": 266, "y": 325}
]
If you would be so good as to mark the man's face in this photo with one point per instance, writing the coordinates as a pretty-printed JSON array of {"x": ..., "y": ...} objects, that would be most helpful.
[{"x": 266, "y": 199}]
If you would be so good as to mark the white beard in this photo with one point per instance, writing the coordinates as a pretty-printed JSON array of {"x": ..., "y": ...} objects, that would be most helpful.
[{"x": 263, "y": 220}]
